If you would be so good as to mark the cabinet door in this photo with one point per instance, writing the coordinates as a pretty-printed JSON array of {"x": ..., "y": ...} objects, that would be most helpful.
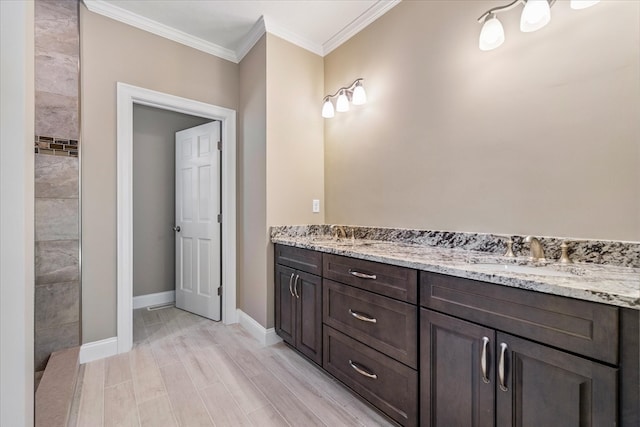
[
  {"x": 547, "y": 387},
  {"x": 285, "y": 309},
  {"x": 308, "y": 291},
  {"x": 453, "y": 389}
]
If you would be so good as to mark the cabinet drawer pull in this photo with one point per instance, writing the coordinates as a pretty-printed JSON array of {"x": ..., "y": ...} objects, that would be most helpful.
[
  {"x": 483, "y": 359},
  {"x": 362, "y": 275},
  {"x": 503, "y": 350},
  {"x": 295, "y": 286},
  {"x": 291, "y": 283},
  {"x": 363, "y": 317},
  {"x": 362, "y": 371}
]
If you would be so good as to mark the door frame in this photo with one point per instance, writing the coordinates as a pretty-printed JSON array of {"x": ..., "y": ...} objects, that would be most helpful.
[{"x": 127, "y": 95}]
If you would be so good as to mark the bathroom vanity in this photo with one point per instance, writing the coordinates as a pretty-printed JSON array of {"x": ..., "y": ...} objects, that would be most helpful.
[{"x": 437, "y": 336}]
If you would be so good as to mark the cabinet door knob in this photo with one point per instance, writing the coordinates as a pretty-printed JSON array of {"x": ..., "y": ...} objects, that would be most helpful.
[
  {"x": 291, "y": 283},
  {"x": 295, "y": 286},
  {"x": 483, "y": 359},
  {"x": 363, "y": 317},
  {"x": 362, "y": 275},
  {"x": 363, "y": 371},
  {"x": 501, "y": 367}
]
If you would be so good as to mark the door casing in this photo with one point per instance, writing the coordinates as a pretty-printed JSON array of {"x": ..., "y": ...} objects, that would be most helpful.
[{"x": 127, "y": 96}]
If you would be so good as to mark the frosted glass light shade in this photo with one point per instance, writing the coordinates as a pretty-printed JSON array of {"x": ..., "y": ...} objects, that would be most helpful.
[
  {"x": 342, "y": 104},
  {"x": 583, "y": 4},
  {"x": 327, "y": 110},
  {"x": 535, "y": 15},
  {"x": 359, "y": 95},
  {"x": 492, "y": 34}
]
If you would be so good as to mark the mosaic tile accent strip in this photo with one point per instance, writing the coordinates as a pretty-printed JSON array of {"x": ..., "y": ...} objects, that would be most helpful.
[{"x": 56, "y": 146}]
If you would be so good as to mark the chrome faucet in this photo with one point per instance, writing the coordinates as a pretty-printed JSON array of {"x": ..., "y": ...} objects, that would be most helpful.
[{"x": 537, "y": 253}]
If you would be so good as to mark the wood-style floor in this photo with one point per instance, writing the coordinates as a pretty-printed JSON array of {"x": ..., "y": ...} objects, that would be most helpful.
[{"x": 188, "y": 371}]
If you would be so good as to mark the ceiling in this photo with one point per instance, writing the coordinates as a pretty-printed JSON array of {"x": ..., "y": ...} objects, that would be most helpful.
[{"x": 229, "y": 28}]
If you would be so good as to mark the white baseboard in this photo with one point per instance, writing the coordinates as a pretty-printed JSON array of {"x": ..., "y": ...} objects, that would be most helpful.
[
  {"x": 271, "y": 337},
  {"x": 98, "y": 350},
  {"x": 259, "y": 332},
  {"x": 154, "y": 299}
]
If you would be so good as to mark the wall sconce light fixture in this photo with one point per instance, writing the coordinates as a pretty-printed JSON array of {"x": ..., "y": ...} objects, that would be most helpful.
[
  {"x": 535, "y": 15},
  {"x": 354, "y": 93}
]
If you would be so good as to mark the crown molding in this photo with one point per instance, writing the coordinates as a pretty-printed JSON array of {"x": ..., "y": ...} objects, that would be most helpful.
[
  {"x": 358, "y": 24},
  {"x": 114, "y": 12},
  {"x": 292, "y": 37},
  {"x": 263, "y": 25},
  {"x": 256, "y": 32}
]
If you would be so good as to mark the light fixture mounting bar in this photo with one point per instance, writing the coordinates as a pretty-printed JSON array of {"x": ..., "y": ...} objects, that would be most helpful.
[
  {"x": 506, "y": 7},
  {"x": 346, "y": 88},
  {"x": 500, "y": 9}
]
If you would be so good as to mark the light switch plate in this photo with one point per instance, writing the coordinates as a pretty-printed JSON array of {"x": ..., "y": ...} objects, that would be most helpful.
[{"x": 315, "y": 206}]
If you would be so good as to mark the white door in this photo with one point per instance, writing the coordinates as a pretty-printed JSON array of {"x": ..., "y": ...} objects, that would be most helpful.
[{"x": 198, "y": 286}]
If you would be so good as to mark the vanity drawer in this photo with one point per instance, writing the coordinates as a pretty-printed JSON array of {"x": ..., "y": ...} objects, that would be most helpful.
[
  {"x": 581, "y": 327},
  {"x": 299, "y": 258},
  {"x": 389, "y": 280},
  {"x": 389, "y": 385},
  {"x": 387, "y": 325}
]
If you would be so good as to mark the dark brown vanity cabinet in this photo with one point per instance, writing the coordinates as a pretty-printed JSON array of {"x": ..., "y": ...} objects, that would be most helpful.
[
  {"x": 371, "y": 332},
  {"x": 474, "y": 374},
  {"x": 386, "y": 383},
  {"x": 546, "y": 387},
  {"x": 452, "y": 390},
  {"x": 298, "y": 300},
  {"x": 440, "y": 351}
]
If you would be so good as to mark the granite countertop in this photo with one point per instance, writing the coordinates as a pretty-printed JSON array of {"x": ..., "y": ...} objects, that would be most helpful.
[{"x": 609, "y": 284}]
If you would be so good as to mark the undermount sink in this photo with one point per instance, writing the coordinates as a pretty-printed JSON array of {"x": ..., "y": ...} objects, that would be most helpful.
[
  {"x": 342, "y": 243},
  {"x": 525, "y": 269}
]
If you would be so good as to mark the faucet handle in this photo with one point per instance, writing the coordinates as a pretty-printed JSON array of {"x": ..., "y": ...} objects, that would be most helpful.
[
  {"x": 564, "y": 257},
  {"x": 509, "y": 253}
]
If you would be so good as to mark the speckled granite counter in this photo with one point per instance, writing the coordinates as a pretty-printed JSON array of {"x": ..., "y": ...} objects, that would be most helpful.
[{"x": 605, "y": 283}]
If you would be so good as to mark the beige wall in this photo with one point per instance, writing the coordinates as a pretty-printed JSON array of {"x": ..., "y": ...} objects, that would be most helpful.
[
  {"x": 154, "y": 151},
  {"x": 251, "y": 202},
  {"x": 540, "y": 136},
  {"x": 295, "y": 134},
  {"x": 295, "y": 141},
  {"x": 281, "y": 167},
  {"x": 112, "y": 52}
]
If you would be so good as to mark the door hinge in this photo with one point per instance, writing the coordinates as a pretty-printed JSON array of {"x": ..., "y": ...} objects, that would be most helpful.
[
  {"x": 220, "y": 145},
  {"x": 220, "y": 218},
  {"x": 219, "y": 290}
]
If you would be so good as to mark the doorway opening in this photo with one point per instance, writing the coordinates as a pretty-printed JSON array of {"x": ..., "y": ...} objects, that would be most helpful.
[
  {"x": 128, "y": 96},
  {"x": 176, "y": 202}
]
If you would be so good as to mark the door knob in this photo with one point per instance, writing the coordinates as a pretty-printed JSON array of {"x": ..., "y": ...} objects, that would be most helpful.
[{"x": 176, "y": 228}]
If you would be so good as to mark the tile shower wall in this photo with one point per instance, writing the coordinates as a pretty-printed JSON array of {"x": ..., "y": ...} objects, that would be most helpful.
[{"x": 57, "y": 271}]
